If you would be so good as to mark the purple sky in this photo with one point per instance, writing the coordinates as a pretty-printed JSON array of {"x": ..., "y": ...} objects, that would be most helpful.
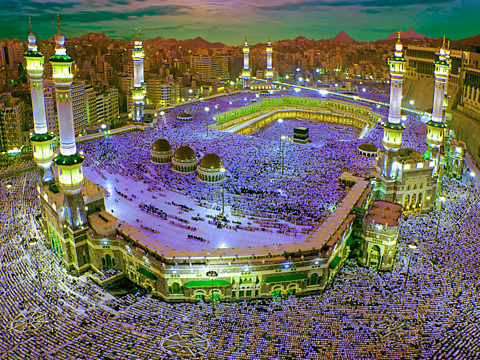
[{"x": 228, "y": 21}]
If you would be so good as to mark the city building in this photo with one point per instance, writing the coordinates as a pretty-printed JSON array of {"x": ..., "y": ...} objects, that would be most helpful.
[
  {"x": 11, "y": 123},
  {"x": 78, "y": 104},
  {"x": 212, "y": 67}
]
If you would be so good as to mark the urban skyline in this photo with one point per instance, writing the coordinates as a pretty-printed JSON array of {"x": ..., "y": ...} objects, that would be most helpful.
[{"x": 223, "y": 20}]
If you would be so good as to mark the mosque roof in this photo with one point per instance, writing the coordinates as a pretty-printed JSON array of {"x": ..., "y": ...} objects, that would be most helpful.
[
  {"x": 184, "y": 153},
  {"x": 161, "y": 145},
  {"x": 211, "y": 161},
  {"x": 184, "y": 115}
]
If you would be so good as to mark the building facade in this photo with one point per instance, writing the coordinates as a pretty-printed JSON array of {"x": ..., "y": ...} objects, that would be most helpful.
[{"x": 380, "y": 229}]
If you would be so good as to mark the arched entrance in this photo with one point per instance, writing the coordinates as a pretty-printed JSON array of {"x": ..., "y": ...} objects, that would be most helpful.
[
  {"x": 108, "y": 260},
  {"x": 175, "y": 288},
  {"x": 375, "y": 255},
  {"x": 313, "y": 279}
]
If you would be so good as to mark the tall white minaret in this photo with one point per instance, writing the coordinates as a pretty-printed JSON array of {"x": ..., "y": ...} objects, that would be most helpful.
[
  {"x": 41, "y": 139},
  {"x": 269, "y": 70},
  {"x": 69, "y": 162},
  {"x": 449, "y": 62},
  {"x": 246, "y": 73},
  {"x": 436, "y": 126},
  {"x": 393, "y": 128},
  {"x": 139, "y": 89}
]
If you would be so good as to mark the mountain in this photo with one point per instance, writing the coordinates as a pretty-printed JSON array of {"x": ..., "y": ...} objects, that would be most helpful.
[
  {"x": 409, "y": 34},
  {"x": 472, "y": 40},
  {"x": 301, "y": 38},
  {"x": 343, "y": 37}
]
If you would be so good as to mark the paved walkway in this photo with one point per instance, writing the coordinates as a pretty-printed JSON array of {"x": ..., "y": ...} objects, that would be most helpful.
[{"x": 174, "y": 236}]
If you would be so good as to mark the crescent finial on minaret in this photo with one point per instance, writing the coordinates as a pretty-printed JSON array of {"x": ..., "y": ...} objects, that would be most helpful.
[
  {"x": 135, "y": 33},
  {"x": 30, "y": 22},
  {"x": 58, "y": 23},
  {"x": 399, "y": 34},
  {"x": 443, "y": 40},
  {"x": 448, "y": 45},
  {"x": 139, "y": 35}
]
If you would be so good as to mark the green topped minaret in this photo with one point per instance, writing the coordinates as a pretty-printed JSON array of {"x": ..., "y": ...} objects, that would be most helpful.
[
  {"x": 41, "y": 139},
  {"x": 69, "y": 161}
]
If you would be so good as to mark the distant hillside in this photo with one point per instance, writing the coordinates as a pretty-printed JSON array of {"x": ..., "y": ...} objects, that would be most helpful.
[
  {"x": 343, "y": 37},
  {"x": 472, "y": 40},
  {"x": 409, "y": 34}
]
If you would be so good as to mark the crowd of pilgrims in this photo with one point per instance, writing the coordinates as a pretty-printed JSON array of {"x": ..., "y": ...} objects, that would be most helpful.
[
  {"x": 9, "y": 163},
  {"x": 305, "y": 194},
  {"x": 49, "y": 313}
]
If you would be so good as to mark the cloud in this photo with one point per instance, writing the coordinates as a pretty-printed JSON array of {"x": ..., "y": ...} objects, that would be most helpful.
[
  {"x": 103, "y": 15},
  {"x": 302, "y": 4}
]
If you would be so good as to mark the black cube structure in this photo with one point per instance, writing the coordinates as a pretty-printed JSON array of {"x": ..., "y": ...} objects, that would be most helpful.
[{"x": 300, "y": 134}]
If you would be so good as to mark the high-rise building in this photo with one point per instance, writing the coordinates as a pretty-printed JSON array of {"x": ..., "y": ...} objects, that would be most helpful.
[
  {"x": 50, "y": 111},
  {"x": 161, "y": 93},
  {"x": 235, "y": 65},
  {"x": 78, "y": 103},
  {"x": 11, "y": 123},
  {"x": 213, "y": 67},
  {"x": 91, "y": 105}
]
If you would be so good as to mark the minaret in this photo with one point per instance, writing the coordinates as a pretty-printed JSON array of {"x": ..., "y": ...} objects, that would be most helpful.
[
  {"x": 449, "y": 62},
  {"x": 269, "y": 71},
  {"x": 41, "y": 139},
  {"x": 69, "y": 162},
  {"x": 246, "y": 73},
  {"x": 138, "y": 90},
  {"x": 393, "y": 128},
  {"x": 436, "y": 126}
]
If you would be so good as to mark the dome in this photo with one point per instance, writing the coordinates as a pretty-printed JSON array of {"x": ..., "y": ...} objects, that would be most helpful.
[
  {"x": 211, "y": 161},
  {"x": 367, "y": 147},
  {"x": 162, "y": 145},
  {"x": 184, "y": 153},
  {"x": 184, "y": 116}
]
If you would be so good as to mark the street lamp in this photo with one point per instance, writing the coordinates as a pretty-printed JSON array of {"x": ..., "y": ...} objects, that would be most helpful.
[
  {"x": 32, "y": 242},
  {"x": 222, "y": 169},
  {"x": 280, "y": 121},
  {"x": 212, "y": 274},
  {"x": 411, "y": 102},
  {"x": 283, "y": 150},
  {"x": 206, "y": 110},
  {"x": 442, "y": 199},
  {"x": 162, "y": 114},
  {"x": 412, "y": 246}
]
